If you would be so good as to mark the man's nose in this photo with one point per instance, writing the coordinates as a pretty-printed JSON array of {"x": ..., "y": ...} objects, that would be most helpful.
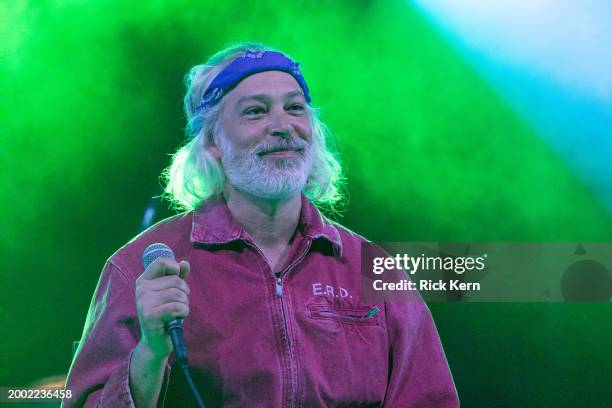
[{"x": 280, "y": 123}]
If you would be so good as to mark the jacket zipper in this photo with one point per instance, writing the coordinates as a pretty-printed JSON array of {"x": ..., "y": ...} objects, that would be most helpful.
[
  {"x": 279, "y": 293},
  {"x": 279, "y": 278},
  {"x": 279, "y": 286}
]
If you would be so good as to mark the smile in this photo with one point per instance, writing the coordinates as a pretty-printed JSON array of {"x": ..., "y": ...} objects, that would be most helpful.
[{"x": 282, "y": 153}]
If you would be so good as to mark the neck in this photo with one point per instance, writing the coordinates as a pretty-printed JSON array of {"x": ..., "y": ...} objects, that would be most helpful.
[{"x": 269, "y": 222}]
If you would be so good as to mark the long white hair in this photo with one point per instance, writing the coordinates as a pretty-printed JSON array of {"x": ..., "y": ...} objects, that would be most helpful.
[{"x": 194, "y": 174}]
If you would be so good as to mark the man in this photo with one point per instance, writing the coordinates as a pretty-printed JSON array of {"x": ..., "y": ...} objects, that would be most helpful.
[{"x": 269, "y": 289}]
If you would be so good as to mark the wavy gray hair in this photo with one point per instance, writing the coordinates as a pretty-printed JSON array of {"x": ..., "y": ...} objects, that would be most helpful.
[{"x": 194, "y": 174}]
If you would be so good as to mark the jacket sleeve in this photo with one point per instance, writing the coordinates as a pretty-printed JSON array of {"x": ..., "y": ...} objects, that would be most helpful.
[
  {"x": 99, "y": 373},
  {"x": 419, "y": 373}
]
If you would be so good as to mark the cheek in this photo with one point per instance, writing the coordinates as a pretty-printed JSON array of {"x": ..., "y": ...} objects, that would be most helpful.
[
  {"x": 244, "y": 133},
  {"x": 248, "y": 135},
  {"x": 304, "y": 129},
  {"x": 254, "y": 132}
]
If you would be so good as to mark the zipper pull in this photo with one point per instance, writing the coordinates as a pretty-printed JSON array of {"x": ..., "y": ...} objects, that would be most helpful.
[
  {"x": 279, "y": 287},
  {"x": 372, "y": 312}
]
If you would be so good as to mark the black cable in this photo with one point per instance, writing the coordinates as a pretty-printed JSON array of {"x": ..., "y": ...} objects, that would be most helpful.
[
  {"x": 192, "y": 386},
  {"x": 175, "y": 328}
]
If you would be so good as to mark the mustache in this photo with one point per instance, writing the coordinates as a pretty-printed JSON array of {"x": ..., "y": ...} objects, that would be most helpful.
[{"x": 280, "y": 145}]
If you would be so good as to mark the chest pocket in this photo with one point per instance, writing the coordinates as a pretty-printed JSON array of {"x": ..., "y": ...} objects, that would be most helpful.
[
  {"x": 344, "y": 339},
  {"x": 344, "y": 312}
]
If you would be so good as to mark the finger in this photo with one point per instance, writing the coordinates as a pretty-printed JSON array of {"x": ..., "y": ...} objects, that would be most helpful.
[
  {"x": 170, "y": 296},
  {"x": 171, "y": 311},
  {"x": 185, "y": 268},
  {"x": 168, "y": 282},
  {"x": 161, "y": 267}
]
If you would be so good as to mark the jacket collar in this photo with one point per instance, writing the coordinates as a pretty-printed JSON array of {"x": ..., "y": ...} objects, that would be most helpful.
[{"x": 213, "y": 223}]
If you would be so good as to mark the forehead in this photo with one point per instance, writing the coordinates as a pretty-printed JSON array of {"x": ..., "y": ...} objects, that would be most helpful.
[{"x": 271, "y": 83}]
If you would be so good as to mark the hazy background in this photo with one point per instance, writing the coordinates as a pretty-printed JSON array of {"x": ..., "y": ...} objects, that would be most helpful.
[{"x": 458, "y": 121}]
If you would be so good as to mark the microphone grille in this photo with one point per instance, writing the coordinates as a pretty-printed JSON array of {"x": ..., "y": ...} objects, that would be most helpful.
[{"x": 154, "y": 251}]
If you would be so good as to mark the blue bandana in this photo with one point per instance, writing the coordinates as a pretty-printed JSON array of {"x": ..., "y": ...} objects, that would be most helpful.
[{"x": 250, "y": 63}]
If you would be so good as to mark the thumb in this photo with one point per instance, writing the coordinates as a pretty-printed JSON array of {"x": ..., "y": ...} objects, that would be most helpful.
[{"x": 184, "y": 269}]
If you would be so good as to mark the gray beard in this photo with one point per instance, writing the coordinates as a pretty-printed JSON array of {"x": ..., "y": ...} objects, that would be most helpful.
[{"x": 267, "y": 178}]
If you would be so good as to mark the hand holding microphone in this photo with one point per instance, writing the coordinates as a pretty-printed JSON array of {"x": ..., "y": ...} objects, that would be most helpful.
[
  {"x": 162, "y": 300},
  {"x": 162, "y": 297}
]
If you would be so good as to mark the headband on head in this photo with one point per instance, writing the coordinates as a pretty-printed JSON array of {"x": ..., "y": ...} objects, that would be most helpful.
[{"x": 252, "y": 62}]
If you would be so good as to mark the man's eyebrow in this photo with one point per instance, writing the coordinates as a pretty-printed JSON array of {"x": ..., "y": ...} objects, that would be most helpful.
[
  {"x": 265, "y": 98},
  {"x": 291, "y": 94}
]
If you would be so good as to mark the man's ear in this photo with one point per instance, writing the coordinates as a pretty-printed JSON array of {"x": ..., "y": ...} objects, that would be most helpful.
[
  {"x": 213, "y": 148},
  {"x": 215, "y": 151}
]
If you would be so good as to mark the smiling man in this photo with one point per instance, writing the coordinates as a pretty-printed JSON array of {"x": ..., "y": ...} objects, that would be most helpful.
[{"x": 269, "y": 289}]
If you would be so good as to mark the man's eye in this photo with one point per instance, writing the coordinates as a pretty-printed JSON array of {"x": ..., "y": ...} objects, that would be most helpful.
[
  {"x": 255, "y": 110},
  {"x": 296, "y": 107}
]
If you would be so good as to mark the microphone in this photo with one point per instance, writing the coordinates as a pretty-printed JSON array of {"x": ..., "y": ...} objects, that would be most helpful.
[{"x": 175, "y": 327}]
